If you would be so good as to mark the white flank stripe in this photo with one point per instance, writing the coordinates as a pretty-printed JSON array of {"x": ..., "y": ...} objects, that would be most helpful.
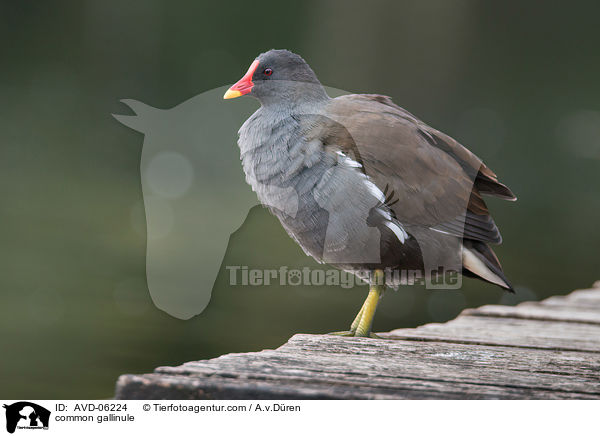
[
  {"x": 375, "y": 190},
  {"x": 350, "y": 162}
]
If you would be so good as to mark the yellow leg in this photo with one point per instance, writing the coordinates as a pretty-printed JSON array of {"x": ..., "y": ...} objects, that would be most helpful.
[
  {"x": 368, "y": 312},
  {"x": 361, "y": 326},
  {"x": 356, "y": 321}
]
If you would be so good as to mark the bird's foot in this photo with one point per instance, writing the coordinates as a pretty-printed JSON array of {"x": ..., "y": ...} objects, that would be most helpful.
[
  {"x": 348, "y": 333},
  {"x": 353, "y": 334},
  {"x": 361, "y": 327}
]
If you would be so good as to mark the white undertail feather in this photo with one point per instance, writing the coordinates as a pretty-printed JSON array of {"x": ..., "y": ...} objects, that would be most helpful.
[
  {"x": 398, "y": 231},
  {"x": 476, "y": 266}
]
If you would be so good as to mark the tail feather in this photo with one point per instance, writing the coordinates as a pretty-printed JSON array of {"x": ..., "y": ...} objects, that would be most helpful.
[{"x": 480, "y": 261}]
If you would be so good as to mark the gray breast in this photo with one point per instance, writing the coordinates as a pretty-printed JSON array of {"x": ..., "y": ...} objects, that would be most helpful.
[{"x": 321, "y": 196}]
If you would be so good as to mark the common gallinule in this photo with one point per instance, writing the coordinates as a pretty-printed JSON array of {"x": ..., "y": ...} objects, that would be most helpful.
[{"x": 362, "y": 184}]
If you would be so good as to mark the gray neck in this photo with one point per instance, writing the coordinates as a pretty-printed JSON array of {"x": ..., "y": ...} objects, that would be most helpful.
[{"x": 291, "y": 96}]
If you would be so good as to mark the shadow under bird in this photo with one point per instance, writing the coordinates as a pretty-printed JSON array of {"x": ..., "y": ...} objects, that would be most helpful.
[{"x": 363, "y": 185}]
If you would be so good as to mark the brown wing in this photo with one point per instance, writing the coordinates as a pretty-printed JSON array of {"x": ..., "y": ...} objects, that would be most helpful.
[{"x": 428, "y": 178}]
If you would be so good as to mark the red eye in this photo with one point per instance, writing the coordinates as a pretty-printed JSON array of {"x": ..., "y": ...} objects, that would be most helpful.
[{"x": 268, "y": 72}]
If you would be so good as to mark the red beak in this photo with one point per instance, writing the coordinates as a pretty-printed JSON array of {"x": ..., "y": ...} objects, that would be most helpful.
[{"x": 244, "y": 85}]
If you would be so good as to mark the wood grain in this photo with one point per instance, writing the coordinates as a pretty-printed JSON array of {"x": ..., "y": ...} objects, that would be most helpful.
[{"x": 545, "y": 350}]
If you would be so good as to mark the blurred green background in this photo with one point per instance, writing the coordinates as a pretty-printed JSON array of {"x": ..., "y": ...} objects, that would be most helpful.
[{"x": 517, "y": 82}]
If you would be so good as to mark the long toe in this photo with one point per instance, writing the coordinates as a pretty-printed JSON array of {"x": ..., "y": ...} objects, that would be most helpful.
[
  {"x": 353, "y": 334},
  {"x": 342, "y": 333}
]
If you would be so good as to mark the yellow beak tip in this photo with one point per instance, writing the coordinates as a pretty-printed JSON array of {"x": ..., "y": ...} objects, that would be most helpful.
[{"x": 231, "y": 94}]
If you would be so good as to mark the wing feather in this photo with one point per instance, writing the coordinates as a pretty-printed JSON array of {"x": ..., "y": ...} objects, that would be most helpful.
[{"x": 434, "y": 180}]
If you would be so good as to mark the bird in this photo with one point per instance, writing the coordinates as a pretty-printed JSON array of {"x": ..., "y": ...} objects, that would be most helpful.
[{"x": 363, "y": 185}]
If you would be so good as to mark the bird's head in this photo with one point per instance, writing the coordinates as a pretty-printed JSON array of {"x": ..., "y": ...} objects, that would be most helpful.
[{"x": 278, "y": 76}]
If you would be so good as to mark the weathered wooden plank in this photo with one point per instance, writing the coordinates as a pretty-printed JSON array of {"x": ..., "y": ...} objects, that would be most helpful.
[
  {"x": 543, "y": 312},
  {"x": 154, "y": 386},
  {"x": 548, "y": 350},
  {"x": 311, "y": 366},
  {"x": 385, "y": 359},
  {"x": 568, "y": 336},
  {"x": 579, "y": 307},
  {"x": 582, "y": 303},
  {"x": 587, "y": 298},
  {"x": 575, "y": 305}
]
